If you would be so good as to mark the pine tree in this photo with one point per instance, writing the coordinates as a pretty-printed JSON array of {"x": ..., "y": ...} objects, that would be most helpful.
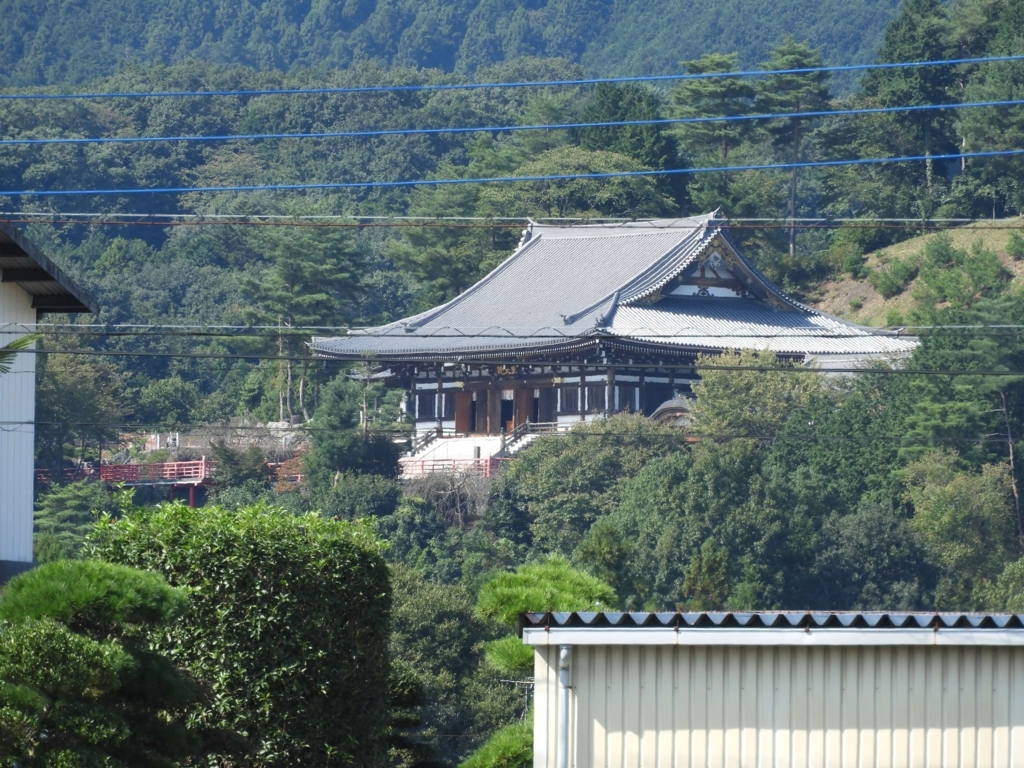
[
  {"x": 921, "y": 32},
  {"x": 792, "y": 93},
  {"x": 712, "y": 97}
]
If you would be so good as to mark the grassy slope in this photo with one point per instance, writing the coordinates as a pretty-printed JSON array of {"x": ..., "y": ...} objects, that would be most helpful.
[{"x": 836, "y": 296}]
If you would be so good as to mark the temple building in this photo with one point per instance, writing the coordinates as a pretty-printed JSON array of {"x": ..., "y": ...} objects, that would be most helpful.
[{"x": 584, "y": 321}]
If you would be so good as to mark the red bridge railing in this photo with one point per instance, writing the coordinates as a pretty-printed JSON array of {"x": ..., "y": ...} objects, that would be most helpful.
[
  {"x": 157, "y": 473},
  {"x": 191, "y": 472}
]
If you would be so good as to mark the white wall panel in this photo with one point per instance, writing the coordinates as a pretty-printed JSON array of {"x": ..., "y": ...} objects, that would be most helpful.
[
  {"x": 808, "y": 707},
  {"x": 17, "y": 439}
]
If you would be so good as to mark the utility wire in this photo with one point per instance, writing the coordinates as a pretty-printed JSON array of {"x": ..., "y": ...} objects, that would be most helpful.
[
  {"x": 515, "y": 84},
  {"x": 571, "y": 434},
  {"x": 668, "y": 223},
  {"x": 837, "y": 224},
  {"x": 549, "y": 362},
  {"x": 509, "y": 179},
  {"x": 507, "y": 128},
  {"x": 271, "y": 332},
  {"x": 480, "y": 222}
]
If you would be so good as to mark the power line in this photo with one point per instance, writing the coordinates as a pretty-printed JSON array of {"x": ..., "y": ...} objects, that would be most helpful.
[
  {"x": 549, "y": 362},
  {"x": 927, "y": 226},
  {"x": 273, "y": 332},
  {"x": 679, "y": 436},
  {"x": 348, "y": 221},
  {"x": 508, "y": 128},
  {"x": 515, "y": 84},
  {"x": 510, "y": 179},
  {"x": 504, "y": 220}
]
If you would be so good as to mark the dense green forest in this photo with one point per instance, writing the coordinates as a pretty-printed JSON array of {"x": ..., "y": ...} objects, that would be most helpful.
[
  {"x": 881, "y": 490},
  {"x": 60, "y": 43}
]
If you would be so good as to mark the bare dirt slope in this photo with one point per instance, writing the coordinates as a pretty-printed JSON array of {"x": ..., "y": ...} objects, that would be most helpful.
[{"x": 859, "y": 302}]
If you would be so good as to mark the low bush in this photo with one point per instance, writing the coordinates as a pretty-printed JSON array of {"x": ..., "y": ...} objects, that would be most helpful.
[{"x": 893, "y": 278}]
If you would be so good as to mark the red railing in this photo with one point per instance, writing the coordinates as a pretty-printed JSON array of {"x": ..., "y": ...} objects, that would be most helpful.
[
  {"x": 68, "y": 474},
  {"x": 169, "y": 471},
  {"x": 422, "y": 467}
]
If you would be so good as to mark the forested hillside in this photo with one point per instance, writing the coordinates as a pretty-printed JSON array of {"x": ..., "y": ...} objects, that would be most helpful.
[{"x": 45, "y": 42}]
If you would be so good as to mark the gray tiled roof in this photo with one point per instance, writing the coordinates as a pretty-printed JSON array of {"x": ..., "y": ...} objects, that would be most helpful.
[{"x": 574, "y": 285}]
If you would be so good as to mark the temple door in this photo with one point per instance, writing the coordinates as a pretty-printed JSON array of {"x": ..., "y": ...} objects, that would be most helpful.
[
  {"x": 463, "y": 411},
  {"x": 547, "y": 405}
]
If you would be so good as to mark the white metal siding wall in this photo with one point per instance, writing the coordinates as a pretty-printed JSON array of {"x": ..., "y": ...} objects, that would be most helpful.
[
  {"x": 17, "y": 440},
  {"x": 754, "y": 707}
]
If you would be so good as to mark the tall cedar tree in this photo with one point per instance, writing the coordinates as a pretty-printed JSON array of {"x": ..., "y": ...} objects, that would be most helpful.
[{"x": 312, "y": 279}]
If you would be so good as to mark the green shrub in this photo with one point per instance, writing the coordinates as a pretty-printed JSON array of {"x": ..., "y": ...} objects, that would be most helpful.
[
  {"x": 893, "y": 278},
  {"x": 289, "y": 624},
  {"x": 847, "y": 247},
  {"x": 957, "y": 275},
  {"x": 894, "y": 318},
  {"x": 76, "y": 686},
  {"x": 1015, "y": 246},
  {"x": 353, "y": 496},
  {"x": 511, "y": 747}
]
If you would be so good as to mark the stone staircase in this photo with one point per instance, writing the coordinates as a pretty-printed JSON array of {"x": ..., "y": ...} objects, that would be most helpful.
[{"x": 476, "y": 454}]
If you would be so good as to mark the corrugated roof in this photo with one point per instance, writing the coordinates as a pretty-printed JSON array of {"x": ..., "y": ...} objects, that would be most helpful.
[
  {"x": 581, "y": 283},
  {"x": 21, "y": 262},
  {"x": 773, "y": 620}
]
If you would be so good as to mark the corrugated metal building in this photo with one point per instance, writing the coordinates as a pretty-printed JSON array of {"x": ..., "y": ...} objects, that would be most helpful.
[
  {"x": 30, "y": 285},
  {"x": 777, "y": 689}
]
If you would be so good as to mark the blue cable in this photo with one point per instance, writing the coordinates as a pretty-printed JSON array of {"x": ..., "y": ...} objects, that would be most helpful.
[
  {"x": 507, "y": 128},
  {"x": 509, "y": 179},
  {"x": 531, "y": 84}
]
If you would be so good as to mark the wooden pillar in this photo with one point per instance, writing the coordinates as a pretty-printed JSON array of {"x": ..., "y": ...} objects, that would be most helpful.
[
  {"x": 494, "y": 424},
  {"x": 609, "y": 398},
  {"x": 641, "y": 388},
  {"x": 439, "y": 406},
  {"x": 523, "y": 406},
  {"x": 192, "y": 496},
  {"x": 482, "y": 410}
]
